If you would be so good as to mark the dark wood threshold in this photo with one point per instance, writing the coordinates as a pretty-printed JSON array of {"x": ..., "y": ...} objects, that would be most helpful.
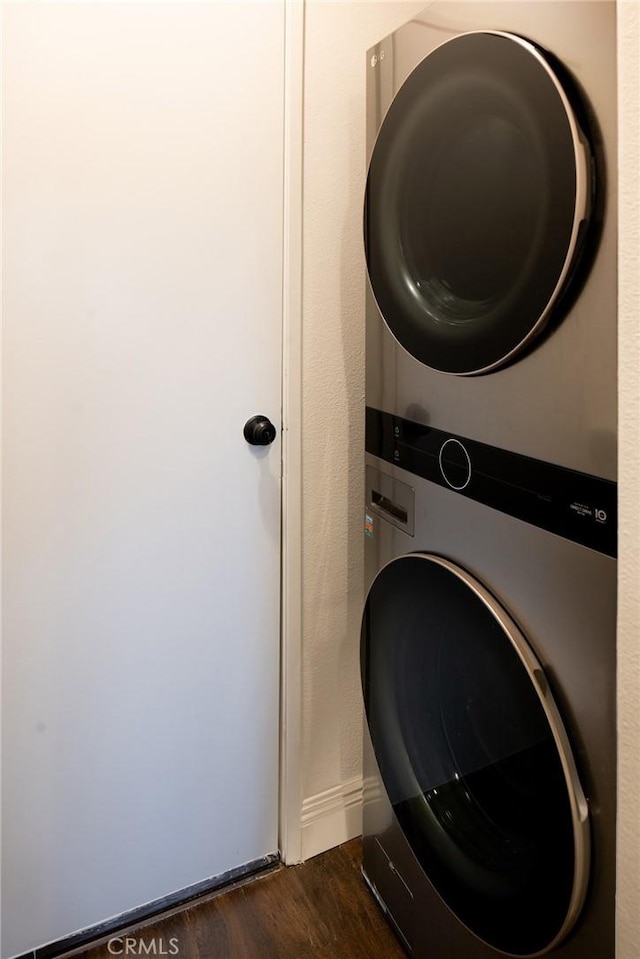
[
  {"x": 321, "y": 909},
  {"x": 166, "y": 906}
]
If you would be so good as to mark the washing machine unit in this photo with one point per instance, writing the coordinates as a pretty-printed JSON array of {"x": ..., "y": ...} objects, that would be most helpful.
[
  {"x": 488, "y": 638},
  {"x": 488, "y": 668}
]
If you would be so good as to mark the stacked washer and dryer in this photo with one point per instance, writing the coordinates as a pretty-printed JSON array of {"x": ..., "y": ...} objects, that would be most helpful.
[{"x": 488, "y": 637}]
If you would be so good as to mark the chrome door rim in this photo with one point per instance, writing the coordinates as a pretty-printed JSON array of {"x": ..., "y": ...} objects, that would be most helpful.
[{"x": 582, "y": 202}]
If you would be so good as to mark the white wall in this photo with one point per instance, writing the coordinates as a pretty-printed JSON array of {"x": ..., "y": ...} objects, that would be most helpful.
[
  {"x": 337, "y": 36},
  {"x": 629, "y": 486}
]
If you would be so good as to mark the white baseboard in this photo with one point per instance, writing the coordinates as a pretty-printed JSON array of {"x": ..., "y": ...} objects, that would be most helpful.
[{"x": 331, "y": 817}]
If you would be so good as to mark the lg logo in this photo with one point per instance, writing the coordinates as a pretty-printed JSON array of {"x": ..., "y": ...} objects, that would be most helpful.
[{"x": 130, "y": 946}]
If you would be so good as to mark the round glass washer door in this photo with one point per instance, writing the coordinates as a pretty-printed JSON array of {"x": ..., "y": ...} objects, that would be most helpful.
[
  {"x": 473, "y": 755},
  {"x": 478, "y": 197}
]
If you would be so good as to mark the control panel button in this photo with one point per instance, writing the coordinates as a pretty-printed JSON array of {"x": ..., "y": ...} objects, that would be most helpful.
[{"x": 455, "y": 464}]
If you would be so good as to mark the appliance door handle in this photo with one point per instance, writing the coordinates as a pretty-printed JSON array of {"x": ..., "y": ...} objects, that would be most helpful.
[{"x": 386, "y": 505}]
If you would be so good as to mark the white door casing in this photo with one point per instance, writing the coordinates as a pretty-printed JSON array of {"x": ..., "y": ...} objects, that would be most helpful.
[{"x": 143, "y": 296}]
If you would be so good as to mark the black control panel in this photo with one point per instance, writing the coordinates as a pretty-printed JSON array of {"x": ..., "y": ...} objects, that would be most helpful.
[{"x": 574, "y": 505}]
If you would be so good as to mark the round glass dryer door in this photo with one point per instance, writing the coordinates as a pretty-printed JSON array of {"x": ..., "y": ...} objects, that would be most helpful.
[
  {"x": 473, "y": 755},
  {"x": 478, "y": 197}
]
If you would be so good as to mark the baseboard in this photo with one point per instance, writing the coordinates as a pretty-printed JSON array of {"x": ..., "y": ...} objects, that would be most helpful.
[{"x": 331, "y": 817}]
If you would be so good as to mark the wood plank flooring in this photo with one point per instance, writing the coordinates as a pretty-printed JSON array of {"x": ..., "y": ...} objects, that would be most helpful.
[{"x": 319, "y": 910}]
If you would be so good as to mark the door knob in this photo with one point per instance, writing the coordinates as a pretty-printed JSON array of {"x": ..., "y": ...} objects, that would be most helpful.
[{"x": 259, "y": 431}]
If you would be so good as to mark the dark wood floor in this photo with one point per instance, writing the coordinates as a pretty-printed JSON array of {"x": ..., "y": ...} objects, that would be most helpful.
[{"x": 319, "y": 910}]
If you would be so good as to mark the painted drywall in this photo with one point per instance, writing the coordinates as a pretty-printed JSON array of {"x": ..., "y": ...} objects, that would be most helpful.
[
  {"x": 628, "y": 897},
  {"x": 337, "y": 36}
]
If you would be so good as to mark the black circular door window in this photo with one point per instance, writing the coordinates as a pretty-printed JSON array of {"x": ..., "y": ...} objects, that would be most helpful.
[
  {"x": 478, "y": 197},
  {"x": 473, "y": 755}
]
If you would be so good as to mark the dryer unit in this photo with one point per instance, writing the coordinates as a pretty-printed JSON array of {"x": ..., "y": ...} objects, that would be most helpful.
[{"x": 490, "y": 226}]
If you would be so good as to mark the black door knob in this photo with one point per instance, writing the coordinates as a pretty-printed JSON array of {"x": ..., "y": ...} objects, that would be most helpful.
[{"x": 259, "y": 431}]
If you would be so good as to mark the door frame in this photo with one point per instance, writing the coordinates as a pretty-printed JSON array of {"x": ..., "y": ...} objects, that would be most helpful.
[{"x": 290, "y": 800}]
